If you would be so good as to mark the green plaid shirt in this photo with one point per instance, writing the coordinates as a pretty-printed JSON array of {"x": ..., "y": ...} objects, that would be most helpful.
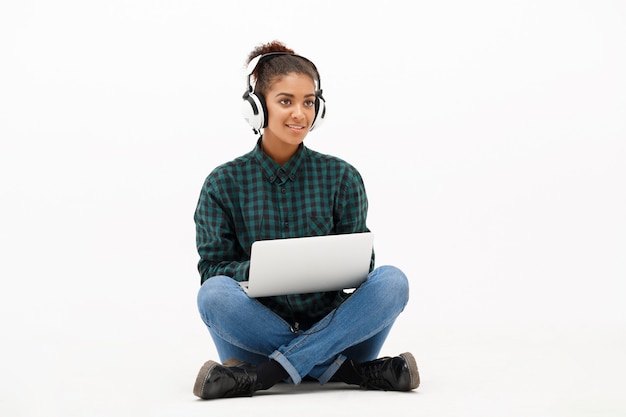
[{"x": 253, "y": 198}]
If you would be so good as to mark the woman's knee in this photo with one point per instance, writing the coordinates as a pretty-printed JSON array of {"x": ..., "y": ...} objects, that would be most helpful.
[
  {"x": 391, "y": 276},
  {"x": 215, "y": 292},
  {"x": 391, "y": 281}
]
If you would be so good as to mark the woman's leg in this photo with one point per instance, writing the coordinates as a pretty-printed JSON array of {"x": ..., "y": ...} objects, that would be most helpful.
[
  {"x": 241, "y": 327},
  {"x": 227, "y": 351},
  {"x": 244, "y": 327},
  {"x": 358, "y": 327}
]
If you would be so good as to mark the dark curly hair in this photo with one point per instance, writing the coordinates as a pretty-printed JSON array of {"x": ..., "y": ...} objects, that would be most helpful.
[{"x": 267, "y": 71}]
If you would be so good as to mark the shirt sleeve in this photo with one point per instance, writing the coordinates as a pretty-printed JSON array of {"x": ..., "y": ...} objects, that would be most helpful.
[
  {"x": 216, "y": 239},
  {"x": 352, "y": 207}
]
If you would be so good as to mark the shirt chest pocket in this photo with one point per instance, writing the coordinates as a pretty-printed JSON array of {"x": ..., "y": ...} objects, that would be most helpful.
[{"x": 319, "y": 225}]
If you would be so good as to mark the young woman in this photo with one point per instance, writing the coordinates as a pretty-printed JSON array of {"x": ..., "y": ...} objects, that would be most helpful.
[{"x": 283, "y": 189}]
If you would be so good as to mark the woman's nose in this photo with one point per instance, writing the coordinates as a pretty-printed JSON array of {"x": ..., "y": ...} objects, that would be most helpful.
[{"x": 297, "y": 112}]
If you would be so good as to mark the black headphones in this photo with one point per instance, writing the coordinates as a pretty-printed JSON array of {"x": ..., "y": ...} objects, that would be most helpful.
[{"x": 254, "y": 109}]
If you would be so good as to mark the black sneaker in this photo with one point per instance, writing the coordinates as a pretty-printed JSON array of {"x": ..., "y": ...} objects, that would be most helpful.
[
  {"x": 390, "y": 374},
  {"x": 219, "y": 381}
]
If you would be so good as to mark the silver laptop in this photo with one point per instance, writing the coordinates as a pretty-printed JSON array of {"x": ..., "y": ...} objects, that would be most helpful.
[{"x": 308, "y": 264}]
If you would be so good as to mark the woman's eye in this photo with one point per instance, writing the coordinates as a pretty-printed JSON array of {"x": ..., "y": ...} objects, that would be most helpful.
[
  {"x": 285, "y": 101},
  {"x": 309, "y": 103}
]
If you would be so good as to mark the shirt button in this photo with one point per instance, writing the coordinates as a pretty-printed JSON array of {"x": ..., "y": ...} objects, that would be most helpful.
[
  {"x": 282, "y": 190},
  {"x": 286, "y": 224}
]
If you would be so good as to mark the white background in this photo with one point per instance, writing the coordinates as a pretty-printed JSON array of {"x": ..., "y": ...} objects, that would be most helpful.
[{"x": 491, "y": 136}]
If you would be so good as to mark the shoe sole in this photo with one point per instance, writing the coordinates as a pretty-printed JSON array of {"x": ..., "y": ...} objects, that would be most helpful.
[
  {"x": 203, "y": 374},
  {"x": 413, "y": 371}
]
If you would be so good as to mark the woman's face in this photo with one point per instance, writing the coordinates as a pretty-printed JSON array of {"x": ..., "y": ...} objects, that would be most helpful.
[{"x": 290, "y": 109}]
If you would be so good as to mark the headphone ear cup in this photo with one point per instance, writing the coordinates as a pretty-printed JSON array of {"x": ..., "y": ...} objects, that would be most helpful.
[
  {"x": 254, "y": 110},
  {"x": 320, "y": 112}
]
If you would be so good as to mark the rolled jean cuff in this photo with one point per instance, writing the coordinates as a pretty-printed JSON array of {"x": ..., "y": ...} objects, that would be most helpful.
[
  {"x": 293, "y": 374},
  {"x": 334, "y": 367}
]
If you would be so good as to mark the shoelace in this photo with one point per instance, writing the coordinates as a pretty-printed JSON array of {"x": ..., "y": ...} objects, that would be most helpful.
[
  {"x": 373, "y": 377},
  {"x": 245, "y": 383}
]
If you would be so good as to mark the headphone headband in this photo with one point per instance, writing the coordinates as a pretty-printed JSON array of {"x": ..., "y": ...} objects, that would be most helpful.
[{"x": 254, "y": 63}]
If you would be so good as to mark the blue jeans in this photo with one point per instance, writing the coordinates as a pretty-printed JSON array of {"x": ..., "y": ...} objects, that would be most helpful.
[{"x": 243, "y": 328}]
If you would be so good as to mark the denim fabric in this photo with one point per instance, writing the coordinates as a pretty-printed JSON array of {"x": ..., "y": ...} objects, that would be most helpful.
[{"x": 243, "y": 328}]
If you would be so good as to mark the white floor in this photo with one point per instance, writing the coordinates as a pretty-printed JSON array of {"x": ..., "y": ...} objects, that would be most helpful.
[{"x": 467, "y": 369}]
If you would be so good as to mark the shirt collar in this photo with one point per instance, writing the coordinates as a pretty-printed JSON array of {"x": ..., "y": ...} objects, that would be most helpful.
[{"x": 274, "y": 172}]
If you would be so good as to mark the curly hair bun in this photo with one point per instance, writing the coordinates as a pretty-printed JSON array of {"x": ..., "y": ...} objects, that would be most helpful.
[{"x": 266, "y": 48}]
